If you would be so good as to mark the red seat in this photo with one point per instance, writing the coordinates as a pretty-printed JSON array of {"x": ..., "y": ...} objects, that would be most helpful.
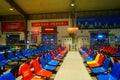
[
  {"x": 39, "y": 70},
  {"x": 58, "y": 54},
  {"x": 53, "y": 56},
  {"x": 62, "y": 52},
  {"x": 88, "y": 54},
  {"x": 114, "y": 51},
  {"x": 24, "y": 70},
  {"x": 99, "y": 63}
]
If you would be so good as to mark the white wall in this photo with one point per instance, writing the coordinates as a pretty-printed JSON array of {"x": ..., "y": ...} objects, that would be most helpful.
[
  {"x": 83, "y": 33},
  {"x": 115, "y": 31},
  {"x": 2, "y": 37},
  {"x": 62, "y": 30},
  {"x": 87, "y": 33}
]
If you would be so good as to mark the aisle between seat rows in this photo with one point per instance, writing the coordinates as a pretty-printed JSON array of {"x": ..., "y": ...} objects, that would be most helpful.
[{"x": 72, "y": 68}]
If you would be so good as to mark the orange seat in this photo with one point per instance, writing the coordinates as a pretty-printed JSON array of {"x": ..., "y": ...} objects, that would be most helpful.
[
  {"x": 39, "y": 70},
  {"x": 99, "y": 63},
  {"x": 24, "y": 70},
  {"x": 53, "y": 56},
  {"x": 62, "y": 52}
]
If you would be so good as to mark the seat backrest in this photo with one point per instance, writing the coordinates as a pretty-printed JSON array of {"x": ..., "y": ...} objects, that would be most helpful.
[
  {"x": 115, "y": 72},
  {"x": 60, "y": 50},
  {"x": 23, "y": 52},
  {"x": 106, "y": 63},
  {"x": 101, "y": 59},
  {"x": 11, "y": 55},
  {"x": 2, "y": 57},
  {"x": 50, "y": 56},
  {"x": 7, "y": 76},
  {"x": 47, "y": 58},
  {"x": 24, "y": 70},
  {"x": 42, "y": 61},
  {"x": 118, "y": 53},
  {"x": 89, "y": 52},
  {"x": 36, "y": 65},
  {"x": 51, "y": 52},
  {"x": 18, "y": 53},
  {"x": 55, "y": 52},
  {"x": 93, "y": 55},
  {"x": 97, "y": 57}
]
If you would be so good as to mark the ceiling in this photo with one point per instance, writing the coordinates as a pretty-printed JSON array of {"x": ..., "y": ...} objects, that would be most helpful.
[{"x": 51, "y": 6}]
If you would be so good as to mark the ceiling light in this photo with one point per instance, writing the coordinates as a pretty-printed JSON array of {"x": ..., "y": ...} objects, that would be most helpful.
[
  {"x": 11, "y": 8},
  {"x": 72, "y": 4}
]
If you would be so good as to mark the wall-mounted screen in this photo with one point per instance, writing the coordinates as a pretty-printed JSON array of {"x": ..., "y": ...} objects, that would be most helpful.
[
  {"x": 117, "y": 39},
  {"x": 49, "y": 38},
  {"x": 12, "y": 39},
  {"x": 99, "y": 38}
]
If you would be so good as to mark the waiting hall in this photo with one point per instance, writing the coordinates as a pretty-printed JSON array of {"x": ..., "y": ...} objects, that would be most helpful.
[{"x": 59, "y": 40}]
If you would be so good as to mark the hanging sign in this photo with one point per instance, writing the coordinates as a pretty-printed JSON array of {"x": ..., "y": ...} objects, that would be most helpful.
[
  {"x": 12, "y": 26},
  {"x": 48, "y": 24},
  {"x": 112, "y": 22}
]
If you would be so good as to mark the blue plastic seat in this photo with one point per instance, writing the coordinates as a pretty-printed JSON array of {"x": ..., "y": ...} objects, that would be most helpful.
[
  {"x": 26, "y": 53},
  {"x": 45, "y": 66},
  {"x": 31, "y": 52},
  {"x": 118, "y": 53},
  {"x": 3, "y": 60},
  {"x": 82, "y": 50},
  {"x": 7, "y": 76},
  {"x": 113, "y": 75},
  {"x": 91, "y": 57},
  {"x": 50, "y": 61},
  {"x": 50, "y": 58},
  {"x": 103, "y": 68},
  {"x": 12, "y": 57},
  {"x": 19, "y": 54},
  {"x": 57, "y": 56}
]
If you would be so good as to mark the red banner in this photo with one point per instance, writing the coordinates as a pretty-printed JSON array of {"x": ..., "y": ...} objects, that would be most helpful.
[
  {"x": 49, "y": 24},
  {"x": 12, "y": 26}
]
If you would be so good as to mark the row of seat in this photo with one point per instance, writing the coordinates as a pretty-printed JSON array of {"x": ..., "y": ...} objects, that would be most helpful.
[
  {"x": 43, "y": 66},
  {"x": 113, "y": 52},
  {"x": 99, "y": 65},
  {"x": 109, "y": 50},
  {"x": 9, "y": 56},
  {"x": 3, "y": 48}
]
